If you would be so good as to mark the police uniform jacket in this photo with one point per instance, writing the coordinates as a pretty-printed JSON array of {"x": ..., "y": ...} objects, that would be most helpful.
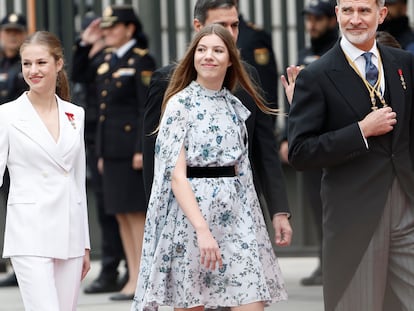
[
  {"x": 318, "y": 47},
  {"x": 121, "y": 90},
  {"x": 84, "y": 95},
  {"x": 256, "y": 49},
  {"x": 12, "y": 84}
]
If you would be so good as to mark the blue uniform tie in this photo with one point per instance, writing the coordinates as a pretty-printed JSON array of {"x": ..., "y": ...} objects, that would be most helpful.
[
  {"x": 371, "y": 71},
  {"x": 114, "y": 60}
]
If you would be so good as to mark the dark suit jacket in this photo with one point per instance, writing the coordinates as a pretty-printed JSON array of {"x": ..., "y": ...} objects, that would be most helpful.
[
  {"x": 329, "y": 100},
  {"x": 263, "y": 151}
]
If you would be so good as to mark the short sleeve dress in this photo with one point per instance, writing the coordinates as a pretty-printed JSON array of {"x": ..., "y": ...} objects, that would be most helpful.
[{"x": 211, "y": 126}]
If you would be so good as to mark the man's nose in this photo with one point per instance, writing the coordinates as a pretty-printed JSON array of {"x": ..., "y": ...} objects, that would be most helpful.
[{"x": 355, "y": 19}]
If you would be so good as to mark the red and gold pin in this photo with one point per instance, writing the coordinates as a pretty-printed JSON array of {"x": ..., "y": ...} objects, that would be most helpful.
[{"x": 400, "y": 73}]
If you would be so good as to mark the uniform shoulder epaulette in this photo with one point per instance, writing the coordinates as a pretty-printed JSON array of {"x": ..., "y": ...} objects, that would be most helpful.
[
  {"x": 141, "y": 52},
  {"x": 108, "y": 50}
]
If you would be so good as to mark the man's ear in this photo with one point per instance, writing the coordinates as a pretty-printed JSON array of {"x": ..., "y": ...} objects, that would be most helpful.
[
  {"x": 197, "y": 25},
  {"x": 382, "y": 14}
]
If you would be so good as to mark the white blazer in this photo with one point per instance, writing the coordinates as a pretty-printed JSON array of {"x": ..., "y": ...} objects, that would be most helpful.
[{"x": 46, "y": 209}]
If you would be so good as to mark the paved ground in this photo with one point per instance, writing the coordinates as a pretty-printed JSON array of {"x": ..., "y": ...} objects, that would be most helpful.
[{"x": 293, "y": 269}]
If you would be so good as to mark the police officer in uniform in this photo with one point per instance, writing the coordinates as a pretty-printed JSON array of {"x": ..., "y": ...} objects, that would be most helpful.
[
  {"x": 256, "y": 48},
  {"x": 322, "y": 28},
  {"x": 12, "y": 85},
  {"x": 12, "y": 34},
  {"x": 84, "y": 94},
  {"x": 121, "y": 81}
]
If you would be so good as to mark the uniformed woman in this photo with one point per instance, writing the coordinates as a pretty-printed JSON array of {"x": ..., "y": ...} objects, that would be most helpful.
[{"x": 121, "y": 79}]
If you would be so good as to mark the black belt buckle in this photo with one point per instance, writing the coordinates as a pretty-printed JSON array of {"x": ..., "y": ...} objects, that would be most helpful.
[{"x": 211, "y": 172}]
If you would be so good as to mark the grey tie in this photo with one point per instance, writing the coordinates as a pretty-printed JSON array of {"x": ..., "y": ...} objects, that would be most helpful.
[{"x": 371, "y": 71}]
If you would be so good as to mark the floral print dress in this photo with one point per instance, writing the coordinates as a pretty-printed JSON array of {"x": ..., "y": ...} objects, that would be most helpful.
[{"x": 211, "y": 125}]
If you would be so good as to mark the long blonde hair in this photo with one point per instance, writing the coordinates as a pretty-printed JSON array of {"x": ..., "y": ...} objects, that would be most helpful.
[
  {"x": 236, "y": 75},
  {"x": 54, "y": 46}
]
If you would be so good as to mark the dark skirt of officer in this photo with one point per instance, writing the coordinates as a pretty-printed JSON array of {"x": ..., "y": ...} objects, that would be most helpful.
[{"x": 123, "y": 187}]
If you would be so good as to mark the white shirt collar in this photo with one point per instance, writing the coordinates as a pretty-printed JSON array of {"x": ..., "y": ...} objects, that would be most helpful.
[
  {"x": 353, "y": 52},
  {"x": 125, "y": 48},
  {"x": 355, "y": 55}
]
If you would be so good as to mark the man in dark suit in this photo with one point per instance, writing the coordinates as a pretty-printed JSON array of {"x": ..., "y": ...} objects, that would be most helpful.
[
  {"x": 262, "y": 143},
  {"x": 352, "y": 116},
  {"x": 322, "y": 28}
]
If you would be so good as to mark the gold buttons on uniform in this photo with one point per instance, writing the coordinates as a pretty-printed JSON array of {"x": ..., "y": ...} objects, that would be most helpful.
[
  {"x": 102, "y": 106},
  {"x": 118, "y": 84},
  {"x": 101, "y": 118},
  {"x": 127, "y": 128},
  {"x": 104, "y": 93}
]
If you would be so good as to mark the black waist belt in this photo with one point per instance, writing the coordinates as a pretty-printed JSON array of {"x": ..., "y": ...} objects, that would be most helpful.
[{"x": 211, "y": 172}]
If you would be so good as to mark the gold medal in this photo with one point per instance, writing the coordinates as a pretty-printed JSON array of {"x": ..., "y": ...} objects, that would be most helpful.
[
  {"x": 374, "y": 91},
  {"x": 103, "y": 68}
]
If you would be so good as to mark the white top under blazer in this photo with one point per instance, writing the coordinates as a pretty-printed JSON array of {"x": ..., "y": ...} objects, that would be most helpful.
[{"x": 46, "y": 208}]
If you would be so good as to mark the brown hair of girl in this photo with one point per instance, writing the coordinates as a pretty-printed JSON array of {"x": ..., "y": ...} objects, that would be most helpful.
[
  {"x": 54, "y": 46},
  {"x": 236, "y": 75}
]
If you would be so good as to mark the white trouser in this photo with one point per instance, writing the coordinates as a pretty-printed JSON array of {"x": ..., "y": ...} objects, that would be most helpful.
[{"x": 47, "y": 283}]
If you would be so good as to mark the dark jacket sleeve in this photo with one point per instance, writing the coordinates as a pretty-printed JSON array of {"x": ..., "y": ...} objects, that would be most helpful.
[
  {"x": 146, "y": 68},
  {"x": 267, "y": 166},
  {"x": 256, "y": 48},
  {"x": 267, "y": 170},
  {"x": 318, "y": 135},
  {"x": 81, "y": 70},
  {"x": 152, "y": 112}
]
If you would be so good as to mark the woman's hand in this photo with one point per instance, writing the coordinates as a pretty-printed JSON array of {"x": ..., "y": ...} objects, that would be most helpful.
[
  {"x": 86, "y": 264},
  {"x": 209, "y": 250},
  {"x": 92, "y": 33}
]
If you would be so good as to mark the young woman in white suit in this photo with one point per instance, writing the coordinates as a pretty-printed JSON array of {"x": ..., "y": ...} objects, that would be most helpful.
[{"x": 42, "y": 145}]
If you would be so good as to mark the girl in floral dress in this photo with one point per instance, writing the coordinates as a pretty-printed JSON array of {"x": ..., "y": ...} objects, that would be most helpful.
[{"x": 206, "y": 242}]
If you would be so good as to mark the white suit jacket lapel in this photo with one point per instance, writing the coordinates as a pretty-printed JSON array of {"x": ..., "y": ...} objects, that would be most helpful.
[
  {"x": 70, "y": 124},
  {"x": 30, "y": 124}
]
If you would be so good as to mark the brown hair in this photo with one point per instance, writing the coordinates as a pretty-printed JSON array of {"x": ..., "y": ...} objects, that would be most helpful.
[
  {"x": 54, "y": 46},
  {"x": 386, "y": 38},
  {"x": 236, "y": 75}
]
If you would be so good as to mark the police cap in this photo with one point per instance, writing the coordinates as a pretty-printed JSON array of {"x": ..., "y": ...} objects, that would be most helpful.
[
  {"x": 320, "y": 8},
  {"x": 119, "y": 14},
  {"x": 13, "y": 21}
]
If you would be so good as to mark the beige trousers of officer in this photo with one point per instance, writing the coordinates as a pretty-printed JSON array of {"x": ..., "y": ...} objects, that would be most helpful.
[
  {"x": 48, "y": 284},
  {"x": 389, "y": 258}
]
